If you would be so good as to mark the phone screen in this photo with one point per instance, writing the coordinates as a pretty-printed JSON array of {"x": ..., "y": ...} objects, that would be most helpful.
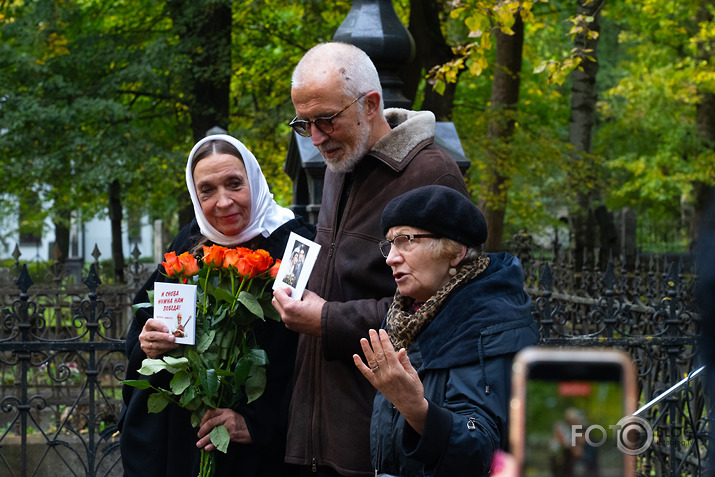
[{"x": 569, "y": 407}]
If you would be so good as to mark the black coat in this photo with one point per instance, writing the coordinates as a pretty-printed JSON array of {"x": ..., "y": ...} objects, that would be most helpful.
[{"x": 164, "y": 444}]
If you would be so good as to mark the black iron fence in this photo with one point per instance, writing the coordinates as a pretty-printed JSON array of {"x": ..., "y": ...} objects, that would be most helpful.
[
  {"x": 61, "y": 363},
  {"x": 647, "y": 309},
  {"x": 62, "y": 358}
]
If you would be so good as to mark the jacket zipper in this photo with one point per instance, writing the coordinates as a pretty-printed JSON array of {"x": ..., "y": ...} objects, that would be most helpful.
[{"x": 473, "y": 423}]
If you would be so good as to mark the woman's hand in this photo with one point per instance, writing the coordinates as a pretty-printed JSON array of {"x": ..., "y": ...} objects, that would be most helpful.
[
  {"x": 234, "y": 422},
  {"x": 393, "y": 375},
  {"x": 155, "y": 339}
]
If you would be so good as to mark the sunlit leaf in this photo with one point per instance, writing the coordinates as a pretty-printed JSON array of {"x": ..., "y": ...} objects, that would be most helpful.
[{"x": 220, "y": 438}]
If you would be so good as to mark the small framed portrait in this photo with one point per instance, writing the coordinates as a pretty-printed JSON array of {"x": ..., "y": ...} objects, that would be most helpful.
[{"x": 296, "y": 265}]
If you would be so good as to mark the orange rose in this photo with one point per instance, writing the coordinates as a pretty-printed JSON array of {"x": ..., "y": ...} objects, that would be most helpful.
[
  {"x": 184, "y": 265},
  {"x": 274, "y": 268},
  {"x": 231, "y": 257},
  {"x": 243, "y": 251},
  {"x": 213, "y": 255},
  {"x": 244, "y": 267},
  {"x": 189, "y": 263},
  {"x": 172, "y": 264},
  {"x": 260, "y": 260}
]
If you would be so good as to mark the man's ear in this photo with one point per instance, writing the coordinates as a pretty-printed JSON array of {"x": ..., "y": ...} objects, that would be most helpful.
[{"x": 371, "y": 105}]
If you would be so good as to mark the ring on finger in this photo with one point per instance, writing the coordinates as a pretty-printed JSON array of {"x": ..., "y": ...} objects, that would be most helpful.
[{"x": 375, "y": 368}]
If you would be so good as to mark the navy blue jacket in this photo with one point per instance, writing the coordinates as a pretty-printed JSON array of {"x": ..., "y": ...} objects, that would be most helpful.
[{"x": 464, "y": 361}]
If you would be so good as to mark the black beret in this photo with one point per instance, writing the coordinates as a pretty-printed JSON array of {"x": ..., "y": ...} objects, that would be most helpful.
[{"x": 440, "y": 210}]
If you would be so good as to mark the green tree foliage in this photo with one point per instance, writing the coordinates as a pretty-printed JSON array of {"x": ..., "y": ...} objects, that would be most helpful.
[
  {"x": 96, "y": 91},
  {"x": 88, "y": 98},
  {"x": 648, "y": 149},
  {"x": 649, "y": 135},
  {"x": 535, "y": 160},
  {"x": 269, "y": 38}
]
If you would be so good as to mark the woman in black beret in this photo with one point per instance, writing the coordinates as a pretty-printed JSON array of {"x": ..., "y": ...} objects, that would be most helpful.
[{"x": 442, "y": 360}]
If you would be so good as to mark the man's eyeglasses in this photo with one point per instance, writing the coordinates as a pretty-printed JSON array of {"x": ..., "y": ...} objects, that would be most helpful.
[
  {"x": 302, "y": 127},
  {"x": 403, "y": 243}
]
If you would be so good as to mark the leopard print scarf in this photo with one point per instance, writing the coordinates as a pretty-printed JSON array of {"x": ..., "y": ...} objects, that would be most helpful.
[{"x": 404, "y": 325}]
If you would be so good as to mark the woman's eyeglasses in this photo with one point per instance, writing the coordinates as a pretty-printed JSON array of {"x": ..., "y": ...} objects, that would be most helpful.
[
  {"x": 403, "y": 243},
  {"x": 303, "y": 127}
]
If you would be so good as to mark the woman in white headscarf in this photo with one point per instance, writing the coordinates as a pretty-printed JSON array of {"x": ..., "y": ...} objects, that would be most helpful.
[{"x": 233, "y": 207}]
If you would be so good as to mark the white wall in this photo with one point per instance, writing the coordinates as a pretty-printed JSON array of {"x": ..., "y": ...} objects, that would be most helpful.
[{"x": 86, "y": 235}]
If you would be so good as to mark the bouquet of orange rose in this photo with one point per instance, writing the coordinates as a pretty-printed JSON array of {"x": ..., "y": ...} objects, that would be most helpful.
[{"x": 226, "y": 366}]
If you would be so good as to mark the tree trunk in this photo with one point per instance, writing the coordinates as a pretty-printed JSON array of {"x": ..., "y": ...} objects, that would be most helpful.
[
  {"x": 584, "y": 223},
  {"x": 205, "y": 31},
  {"x": 504, "y": 98},
  {"x": 61, "y": 219},
  {"x": 115, "y": 216},
  {"x": 431, "y": 50}
]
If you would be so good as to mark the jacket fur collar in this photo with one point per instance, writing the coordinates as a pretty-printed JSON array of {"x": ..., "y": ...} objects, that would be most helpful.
[{"x": 409, "y": 128}]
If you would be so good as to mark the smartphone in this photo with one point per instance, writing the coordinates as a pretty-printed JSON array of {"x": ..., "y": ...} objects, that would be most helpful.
[{"x": 567, "y": 412}]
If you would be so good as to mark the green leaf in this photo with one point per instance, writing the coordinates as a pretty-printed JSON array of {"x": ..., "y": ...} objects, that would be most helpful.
[
  {"x": 211, "y": 382},
  {"x": 220, "y": 315},
  {"x": 139, "y": 306},
  {"x": 208, "y": 357},
  {"x": 174, "y": 365},
  {"x": 258, "y": 357},
  {"x": 243, "y": 367},
  {"x": 152, "y": 366},
  {"x": 222, "y": 373},
  {"x": 188, "y": 396},
  {"x": 221, "y": 294},
  {"x": 205, "y": 341},
  {"x": 157, "y": 402},
  {"x": 271, "y": 313},
  {"x": 195, "y": 361},
  {"x": 477, "y": 23},
  {"x": 195, "y": 420},
  {"x": 226, "y": 340},
  {"x": 220, "y": 438},
  {"x": 256, "y": 383},
  {"x": 137, "y": 383},
  {"x": 250, "y": 302},
  {"x": 180, "y": 382}
]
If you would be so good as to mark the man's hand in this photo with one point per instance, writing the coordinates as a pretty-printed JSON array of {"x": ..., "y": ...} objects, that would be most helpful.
[
  {"x": 233, "y": 421},
  {"x": 302, "y": 316}
]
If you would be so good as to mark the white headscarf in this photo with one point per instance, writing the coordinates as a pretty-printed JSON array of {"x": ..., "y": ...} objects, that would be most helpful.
[{"x": 266, "y": 214}]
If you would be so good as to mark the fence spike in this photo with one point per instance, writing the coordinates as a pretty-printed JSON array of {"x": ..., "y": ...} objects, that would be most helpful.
[
  {"x": 546, "y": 280},
  {"x": 93, "y": 281},
  {"x": 136, "y": 253},
  {"x": 609, "y": 277},
  {"x": 96, "y": 253},
  {"x": 16, "y": 255},
  {"x": 24, "y": 282}
]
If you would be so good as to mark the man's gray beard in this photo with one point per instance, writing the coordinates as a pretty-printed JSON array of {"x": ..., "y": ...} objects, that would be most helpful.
[
  {"x": 349, "y": 162},
  {"x": 346, "y": 165}
]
